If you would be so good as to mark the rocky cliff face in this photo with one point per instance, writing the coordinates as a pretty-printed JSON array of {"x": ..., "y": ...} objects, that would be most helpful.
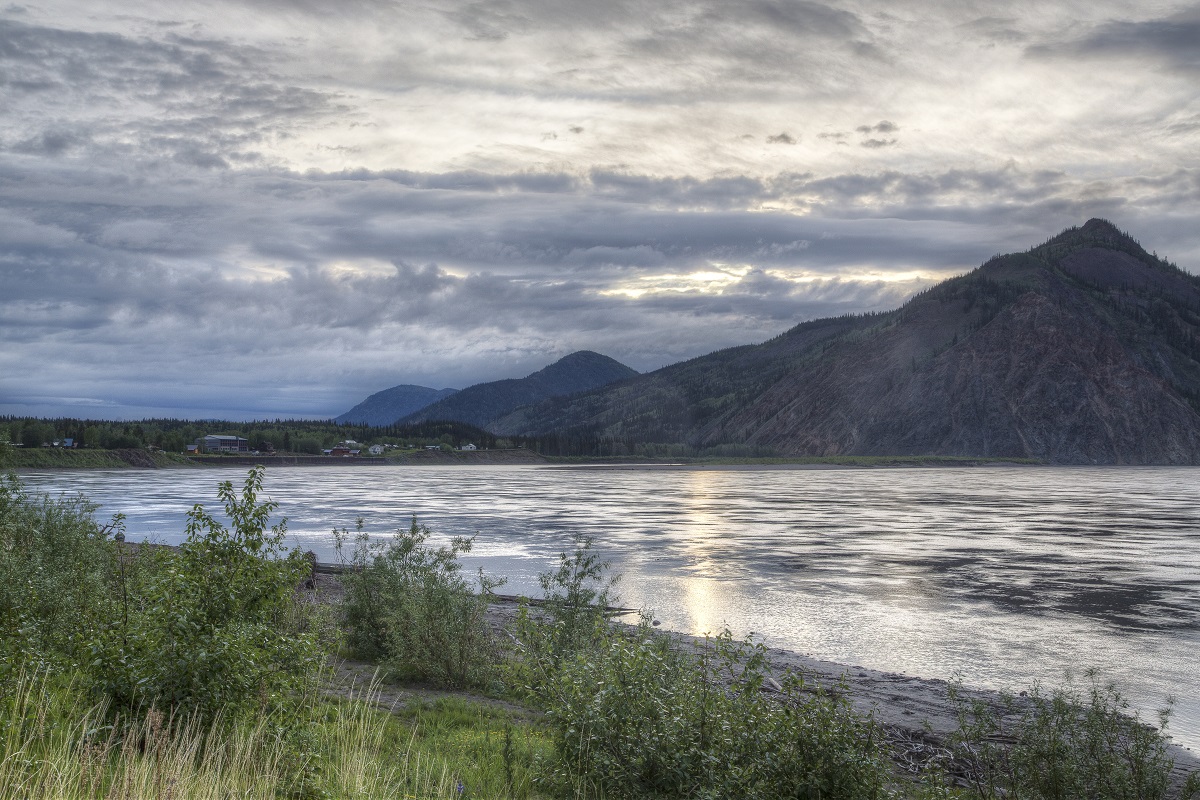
[{"x": 1084, "y": 350}]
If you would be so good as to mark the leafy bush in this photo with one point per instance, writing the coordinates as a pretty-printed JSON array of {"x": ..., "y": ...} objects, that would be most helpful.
[
  {"x": 408, "y": 606},
  {"x": 55, "y": 564},
  {"x": 636, "y": 717},
  {"x": 205, "y": 629},
  {"x": 571, "y": 619},
  {"x": 1067, "y": 745}
]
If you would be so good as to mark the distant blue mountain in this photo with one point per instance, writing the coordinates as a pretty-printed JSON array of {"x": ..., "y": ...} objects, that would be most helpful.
[
  {"x": 384, "y": 408},
  {"x": 480, "y": 404}
]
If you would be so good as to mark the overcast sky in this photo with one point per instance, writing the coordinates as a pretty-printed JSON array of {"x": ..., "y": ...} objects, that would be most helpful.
[{"x": 276, "y": 208}]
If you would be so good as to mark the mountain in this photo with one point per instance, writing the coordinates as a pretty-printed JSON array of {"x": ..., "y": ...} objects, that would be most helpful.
[
  {"x": 480, "y": 404},
  {"x": 1085, "y": 349},
  {"x": 384, "y": 408}
]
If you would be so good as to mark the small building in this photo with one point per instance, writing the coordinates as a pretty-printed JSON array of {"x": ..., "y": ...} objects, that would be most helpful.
[
  {"x": 341, "y": 451},
  {"x": 469, "y": 446},
  {"x": 223, "y": 444},
  {"x": 375, "y": 450}
]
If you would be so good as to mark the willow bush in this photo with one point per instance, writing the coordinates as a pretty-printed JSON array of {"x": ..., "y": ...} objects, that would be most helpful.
[
  {"x": 209, "y": 628},
  {"x": 409, "y": 608},
  {"x": 637, "y": 717},
  {"x": 56, "y": 573},
  {"x": 1066, "y": 744}
]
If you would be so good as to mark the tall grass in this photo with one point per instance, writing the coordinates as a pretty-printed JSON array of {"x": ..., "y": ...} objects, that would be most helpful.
[{"x": 54, "y": 746}]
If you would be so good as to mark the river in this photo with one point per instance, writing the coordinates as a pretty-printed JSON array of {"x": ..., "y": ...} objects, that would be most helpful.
[{"x": 1000, "y": 576}]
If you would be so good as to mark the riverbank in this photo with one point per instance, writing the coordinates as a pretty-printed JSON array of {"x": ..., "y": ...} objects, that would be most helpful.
[
  {"x": 24, "y": 458},
  {"x": 55, "y": 458},
  {"x": 59, "y": 458},
  {"x": 66, "y": 459},
  {"x": 917, "y": 715},
  {"x": 407, "y": 458},
  {"x": 832, "y": 463}
]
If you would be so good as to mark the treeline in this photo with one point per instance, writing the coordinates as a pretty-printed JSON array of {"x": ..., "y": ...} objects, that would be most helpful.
[
  {"x": 301, "y": 436},
  {"x": 310, "y": 437}
]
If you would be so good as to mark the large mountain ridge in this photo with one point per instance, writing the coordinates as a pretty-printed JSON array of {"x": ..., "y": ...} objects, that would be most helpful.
[{"x": 1084, "y": 349}]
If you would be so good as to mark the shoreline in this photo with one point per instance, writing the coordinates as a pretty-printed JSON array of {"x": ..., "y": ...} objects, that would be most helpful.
[
  {"x": 773, "y": 464},
  {"x": 88, "y": 460},
  {"x": 915, "y": 713}
]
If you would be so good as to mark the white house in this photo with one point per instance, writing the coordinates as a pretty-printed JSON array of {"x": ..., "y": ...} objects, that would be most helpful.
[
  {"x": 376, "y": 449},
  {"x": 469, "y": 446}
]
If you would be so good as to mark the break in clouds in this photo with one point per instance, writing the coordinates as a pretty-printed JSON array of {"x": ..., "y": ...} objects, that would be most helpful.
[{"x": 273, "y": 209}]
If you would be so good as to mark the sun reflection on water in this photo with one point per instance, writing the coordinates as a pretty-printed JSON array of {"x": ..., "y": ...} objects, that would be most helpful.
[{"x": 705, "y": 597}]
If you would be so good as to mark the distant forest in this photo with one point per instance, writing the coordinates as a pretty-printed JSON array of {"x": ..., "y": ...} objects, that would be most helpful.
[
  {"x": 312, "y": 436},
  {"x": 284, "y": 436}
]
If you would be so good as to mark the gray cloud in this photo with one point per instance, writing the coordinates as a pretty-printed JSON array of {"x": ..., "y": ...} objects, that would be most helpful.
[
  {"x": 1173, "y": 40},
  {"x": 206, "y": 111},
  {"x": 49, "y": 143},
  {"x": 883, "y": 126},
  {"x": 781, "y": 138},
  {"x": 1006, "y": 30}
]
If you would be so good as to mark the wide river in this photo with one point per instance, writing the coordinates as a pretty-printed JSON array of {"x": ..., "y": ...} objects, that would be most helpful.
[{"x": 999, "y": 576}]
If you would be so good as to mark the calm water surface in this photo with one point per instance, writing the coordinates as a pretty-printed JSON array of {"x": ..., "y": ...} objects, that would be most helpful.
[{"x": 1000, "y": 576}]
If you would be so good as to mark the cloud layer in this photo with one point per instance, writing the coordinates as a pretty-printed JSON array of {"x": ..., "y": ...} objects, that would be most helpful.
[{"x": 272, "y": 210}]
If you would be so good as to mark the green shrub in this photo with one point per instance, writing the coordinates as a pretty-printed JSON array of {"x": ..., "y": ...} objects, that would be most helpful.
[
  {"x": 636, "y": 717},
  {"x": 1067, "y": 745},
  {"x": 408, "y": 607},
  {"x": 55, "y": 568},
  {"x": 207, "y": 629},
  {"x": 575, "y": 597},
  {"x": 571, "y": 619},
  {"x": 633, "y": 716}
]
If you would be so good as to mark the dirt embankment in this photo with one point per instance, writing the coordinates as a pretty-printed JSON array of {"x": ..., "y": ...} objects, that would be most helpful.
[
  {"x": 407, "y": 458},
  {"x": 64, "y": 458}
]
